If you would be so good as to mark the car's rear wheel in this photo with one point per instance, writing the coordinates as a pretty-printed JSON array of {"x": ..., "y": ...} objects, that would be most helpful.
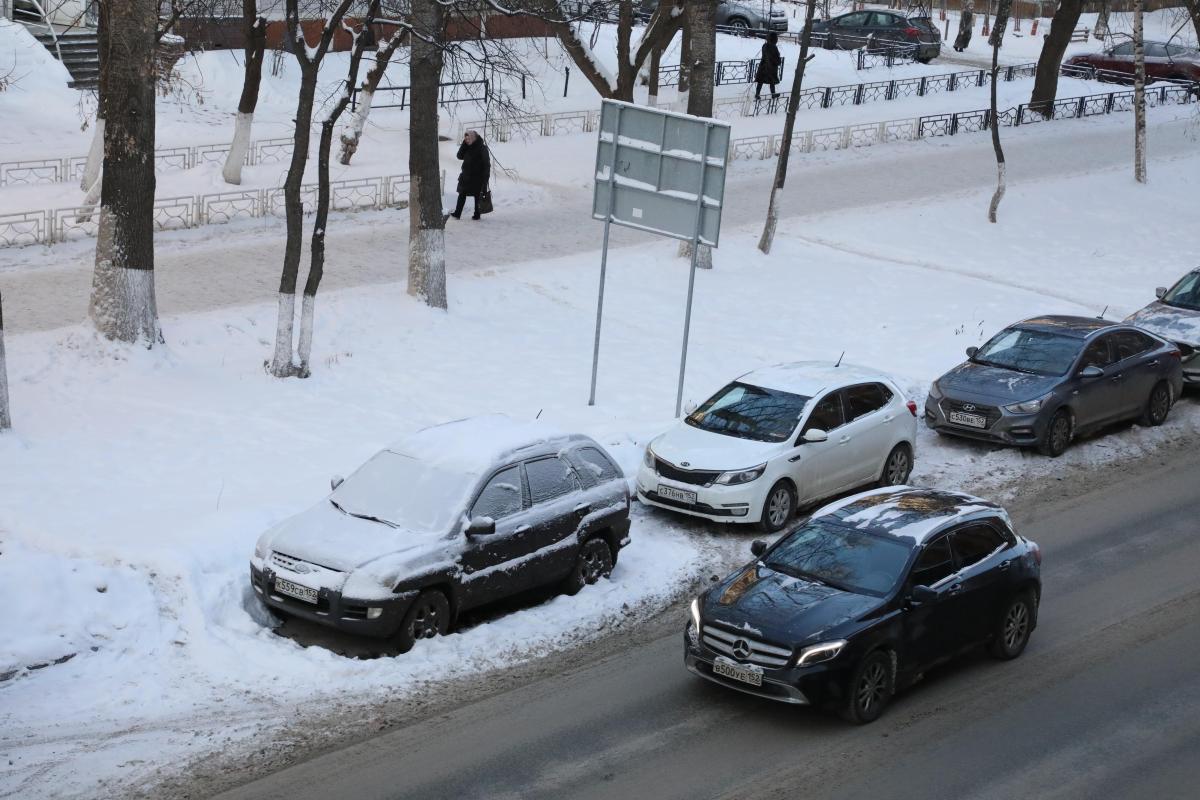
[
  {"x": 870, "y": 689},
  {"x": 1057, "y": 437},
  {"x": 739, "y": 26},
  {"x": 1016, "y": 623},
  {"x": 778, "y": 507},
  {"x": 897, "y": 468},
  {"x": 429, "y": 616},
  {"x": 595, "y": 561},
  {"x": 1158, "y": 406}
]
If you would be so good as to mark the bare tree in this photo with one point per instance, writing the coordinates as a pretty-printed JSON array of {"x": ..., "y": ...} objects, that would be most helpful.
[
  {"x": 1045, "y": 81},
  {"x": 122, "y": 303},
  {"x": 5, "y": 415},
  {"x": 1139, "y": 94},
  {"x": 1193, "y": 10},
  {"x": 966, "y": 24},
  {"x": 789, "y": 125},
  {"x": 426, "y": 227},
  {"x": 358, "y": 118},
  {"x": 309, "y": 59},
  {"x": 700, "y": 28},
  {"x": 254, "y": 29},
  {"x": 1100, "y": 29},
  {"x": 996, "y": 40}
]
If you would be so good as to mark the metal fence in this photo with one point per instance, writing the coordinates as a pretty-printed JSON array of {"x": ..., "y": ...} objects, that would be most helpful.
[
  {"x": 190, "y": 211},
  {"x": 725, "y": 73},
  {"x": 448, "y": 93}
]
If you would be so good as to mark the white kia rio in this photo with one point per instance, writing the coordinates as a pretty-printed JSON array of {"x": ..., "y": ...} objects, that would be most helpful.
[{"x": 781, "y": 437}]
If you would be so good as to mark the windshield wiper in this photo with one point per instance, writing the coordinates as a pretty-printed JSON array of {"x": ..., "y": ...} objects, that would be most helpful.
[{"x": 367, "y": 517}]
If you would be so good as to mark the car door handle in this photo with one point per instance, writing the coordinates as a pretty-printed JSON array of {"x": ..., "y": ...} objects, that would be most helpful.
[
  {"x": 582, "y": 509},
  {"x": 1004, "y": 564},
  {"x": 888, "y": 418},
  {"x": 794, "y": 459},
  {"x": 954, "y": 589},
  {"x": 1154, "y": 363},
  {"x": 1116, "y": 378},
  {"x": 523, "y": 529},
  {"x": 844, "y": 440}
]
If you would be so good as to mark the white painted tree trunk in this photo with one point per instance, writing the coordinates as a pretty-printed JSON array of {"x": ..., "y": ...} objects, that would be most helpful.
[
  {"x": 1139, "y": 94},
  {"x": 284, "y": 328},
  {"x": 88, "y": 207},
  {"x": 91, "y": 169},
  {"x": 5, "y": 415},
  {"x": 122, "y": 305},
  {"x": 703, "y": 258},
  {"x": 428, "y": 248},
  {"x": 998, "y": 195},
  {"x": 232, "y": 172},
  {"x": 307, "y": 307}
]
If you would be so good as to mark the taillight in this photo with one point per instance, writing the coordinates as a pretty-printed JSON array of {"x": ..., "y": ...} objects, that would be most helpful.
[
  {"x": 912, "y": 33},
  {"x": 912, "y": 407},
  {"x": 1037, "y": 552}
]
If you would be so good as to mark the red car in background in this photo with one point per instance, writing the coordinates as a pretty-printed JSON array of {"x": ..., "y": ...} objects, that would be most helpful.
[{"x": 1163, "y": 61}]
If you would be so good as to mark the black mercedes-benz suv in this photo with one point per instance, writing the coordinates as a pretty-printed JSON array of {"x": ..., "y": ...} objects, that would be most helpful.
[{"x": 864, "y": 597}]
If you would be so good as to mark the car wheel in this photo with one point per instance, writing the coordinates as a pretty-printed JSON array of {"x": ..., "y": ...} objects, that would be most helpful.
[
  {"x": 594, "y": 562},
  {"x": 1016, "y": 623},
  {"x": 897, "y": 468},
  {"x": 429, "y": 616},
  {"x": 1158, "y": 405},
  {"x": 739, "y": 26},
  {"x": 870, "y": 689},
  {"x": 1057, "y": 437},
  {"x": 778, "y": 507}
]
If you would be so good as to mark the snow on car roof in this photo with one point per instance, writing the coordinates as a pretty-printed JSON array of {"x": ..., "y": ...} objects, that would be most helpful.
[
  {"x": 475, "y": 444},
  {"x": 906, "y": 512},
  {"x": 1069, "y": 325},
  {"x": 809, "y": 378}
]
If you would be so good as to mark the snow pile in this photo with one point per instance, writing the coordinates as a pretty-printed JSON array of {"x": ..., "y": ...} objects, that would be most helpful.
[{"x": 37, "y": 99}]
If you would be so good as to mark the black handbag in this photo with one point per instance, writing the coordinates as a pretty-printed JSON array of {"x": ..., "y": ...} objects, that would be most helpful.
[{"x": 485, "y": 201}]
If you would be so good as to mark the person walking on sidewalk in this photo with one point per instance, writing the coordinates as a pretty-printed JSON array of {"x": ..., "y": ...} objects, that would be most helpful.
[
  {"x": 768, "y": 66},
  {"x": 476, "y": 172}
]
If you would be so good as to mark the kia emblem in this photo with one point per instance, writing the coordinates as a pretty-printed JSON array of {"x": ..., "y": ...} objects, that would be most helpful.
[{"x": 684, "y": 464}]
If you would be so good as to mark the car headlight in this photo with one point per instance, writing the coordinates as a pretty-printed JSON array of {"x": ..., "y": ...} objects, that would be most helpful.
[
  {"x": 935, "y": 391},
  {"x": 261, "y": 551},
  {"x": 695, "y": 609},
  {"x": 742, "y": 475},
  {"x": 820, "y": 653},
  {"x": 1028, "y": 407},
  {"x": 648, "y": 458}
]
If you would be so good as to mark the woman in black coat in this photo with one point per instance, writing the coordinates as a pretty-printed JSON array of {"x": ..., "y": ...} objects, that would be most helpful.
[
  {"x": 768, "y": 66},
  {"x": 476, "y": 172}
]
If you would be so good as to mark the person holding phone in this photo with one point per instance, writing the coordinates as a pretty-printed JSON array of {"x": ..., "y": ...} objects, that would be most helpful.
[{"x": 476, "y": 172}]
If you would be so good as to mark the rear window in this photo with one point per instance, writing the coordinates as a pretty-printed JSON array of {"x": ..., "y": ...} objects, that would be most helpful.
[{"x": 595, "y": 467}]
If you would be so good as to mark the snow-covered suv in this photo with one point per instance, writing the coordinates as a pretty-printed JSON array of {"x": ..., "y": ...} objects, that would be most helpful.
[{"x": 454, "y": 516}]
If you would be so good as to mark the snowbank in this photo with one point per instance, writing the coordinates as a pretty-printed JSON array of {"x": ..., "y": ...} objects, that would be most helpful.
[{"x": 37, "y": 101}]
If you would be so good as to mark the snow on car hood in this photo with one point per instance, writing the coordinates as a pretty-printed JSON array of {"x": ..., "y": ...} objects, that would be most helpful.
[
  {"x": 994, "y": 385},
  {"x": 711, "y": 451},
  {"x": 323, "y": 535},
  {"x": 1169, "y": 322}
]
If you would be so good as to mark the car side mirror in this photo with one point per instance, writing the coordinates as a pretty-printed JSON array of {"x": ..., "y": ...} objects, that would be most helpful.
[
  {"x": 481, "y": 526},
  {"x": 971, "y": 351},
  {"x": 921, "y": 595},
  {"x": 1160, "y": 292},
  {"x": 336, "y": 481},
  {"x": 689, "y": 407},
  {"x": 1091, "y": 372},
  {"x": 815, "y": 435},
  {"x": 758, "y": 547}
]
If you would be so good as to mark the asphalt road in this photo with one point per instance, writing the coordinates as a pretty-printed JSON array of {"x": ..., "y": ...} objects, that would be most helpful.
[{"x": 1103, "y": 703}]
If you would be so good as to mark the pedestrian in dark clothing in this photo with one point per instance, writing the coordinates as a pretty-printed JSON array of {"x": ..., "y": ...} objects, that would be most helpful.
[
  {"x": 768, "y": 66},
  {"x": 476, "y": 172}
]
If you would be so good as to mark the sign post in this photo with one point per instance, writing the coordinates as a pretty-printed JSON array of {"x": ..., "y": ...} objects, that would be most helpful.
[{"x": 663, "y": 173}]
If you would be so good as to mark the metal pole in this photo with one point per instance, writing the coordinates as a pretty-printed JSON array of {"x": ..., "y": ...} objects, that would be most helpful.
[
  {"x": 612, "y": 199},
  {"x": 687, "y": 317}
]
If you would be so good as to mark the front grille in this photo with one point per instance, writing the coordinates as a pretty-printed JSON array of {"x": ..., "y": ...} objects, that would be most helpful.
[
  {"x": 297, "y": 565},
  {"x": 761, "y": 654},
  {"x": 695, "y": 477},
  {"x": 991, "y": 413}
]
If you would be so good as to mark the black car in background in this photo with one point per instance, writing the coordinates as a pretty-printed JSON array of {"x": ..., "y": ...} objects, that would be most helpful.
[
  {"x": 1046, "y": 380},
  {"x": 864, "y": 597},
  {"x": 866, "y": 28}
]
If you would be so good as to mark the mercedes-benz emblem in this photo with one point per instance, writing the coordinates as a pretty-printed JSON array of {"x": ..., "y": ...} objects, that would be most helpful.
[
  {"x": 741, "y": 649},
  {"x": 968, "y": 406}
]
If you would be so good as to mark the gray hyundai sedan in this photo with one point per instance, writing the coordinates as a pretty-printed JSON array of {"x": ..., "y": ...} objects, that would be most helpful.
[{"x": 1043, "y": 381}]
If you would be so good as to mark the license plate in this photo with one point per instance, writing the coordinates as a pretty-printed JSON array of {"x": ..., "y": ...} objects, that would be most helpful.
[
  {"x": 678, "y": 495},
  {"x": 738, "y": 672},
  {"x": 296, "y": 590},
  {"x": 970, "y": 420}
]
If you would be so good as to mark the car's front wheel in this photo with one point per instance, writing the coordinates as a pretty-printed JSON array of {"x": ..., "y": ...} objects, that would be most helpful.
[
  {"x": 739, "y": 26},
  {"x": 1016, "y": 623},
  {"x": 1057, "y": 438},
  {"x": 778, "y": 507},
  {"x": 1158, "y": 406},
  {"x": 897, "y": 468},
  {"x": 429, "y": 616},
  {"x": 595, "y": 561},
  {"x": 870, "y": 689}
]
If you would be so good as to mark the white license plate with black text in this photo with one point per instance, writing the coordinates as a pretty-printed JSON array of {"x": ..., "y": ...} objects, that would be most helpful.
[
  {"x": 970, "y": 420},
  {"x": 745, "y": 673},
  {"x": 296, "y": 590},
  {"x": 678, "y": 495}
]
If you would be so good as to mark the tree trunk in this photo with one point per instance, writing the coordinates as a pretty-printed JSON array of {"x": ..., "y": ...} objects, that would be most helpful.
[
  {"x": 316, "y": 269},
  {"x": 352, "y": 134},
  {"x": 996, "y": 40},
  {"x": 685, "y": 68},
  {"x": 1045, "y": 82},
  {"x": 427, "y": 226},
  {"x": 122, "y": 304},
  {"x": 1139, "y": 94},
  {"x": 1100, "y": 30},
  {"x": 5, "y": 414},
  {"x": 655, "y": 67},
  {"x": 1193, "y": 9},
  {"x": 789, "y": 126},
  {"x": 966, "y": 25},
  {"x": 255, "y": 31},
  {"x": 700, "y": 26}
]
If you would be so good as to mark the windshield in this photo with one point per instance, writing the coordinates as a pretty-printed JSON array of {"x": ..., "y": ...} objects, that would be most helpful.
[
  {"x": 1186, "y": 293},
  {"x": 845, "y": 558},
  {"x": 1035, "y": 352},
  {"x": 750, "y": 412},
  {"x": 405, "y": 493}
]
